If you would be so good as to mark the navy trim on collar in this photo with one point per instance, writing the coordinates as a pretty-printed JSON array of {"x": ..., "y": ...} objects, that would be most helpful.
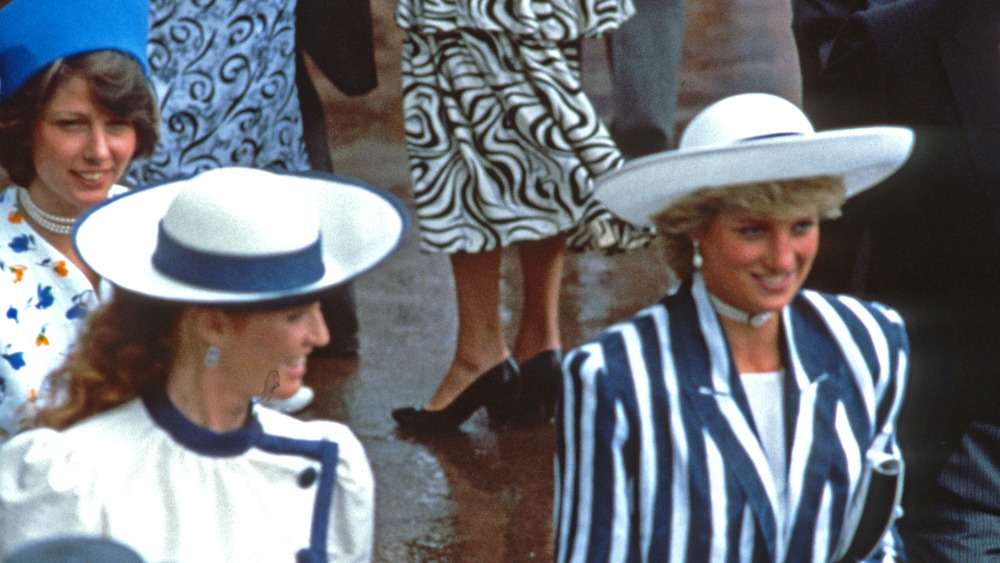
[{"x": 197, "y": 438}]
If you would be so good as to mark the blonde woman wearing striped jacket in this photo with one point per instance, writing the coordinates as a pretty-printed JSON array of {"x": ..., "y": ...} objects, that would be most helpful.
[{"x": 741, "y": 418}]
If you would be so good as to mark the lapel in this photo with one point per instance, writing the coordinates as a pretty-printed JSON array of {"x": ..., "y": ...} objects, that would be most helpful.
[
  {"x": 970, "y": 53},
  {"x": 724, "y": 413},
  {"x": 716, "y": 394},
  {"x": 823, "y": 382}
]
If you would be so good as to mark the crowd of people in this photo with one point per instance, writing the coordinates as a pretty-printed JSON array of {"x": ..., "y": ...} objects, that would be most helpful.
[{"x": 176, "y": 246}]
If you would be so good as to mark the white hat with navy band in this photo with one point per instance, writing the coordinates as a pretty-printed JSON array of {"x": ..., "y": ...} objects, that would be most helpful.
[
  {"x": 240, "y": 237},
  {"x": 746, "y": 138}
]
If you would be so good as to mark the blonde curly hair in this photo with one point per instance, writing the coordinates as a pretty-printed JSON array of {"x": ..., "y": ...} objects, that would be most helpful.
[{"x": 693, "y": 212}]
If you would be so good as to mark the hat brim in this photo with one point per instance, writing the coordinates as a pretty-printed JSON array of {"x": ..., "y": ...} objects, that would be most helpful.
[
  {"x": 361, "y": 226},
  {"x": 646, "y": 186}
]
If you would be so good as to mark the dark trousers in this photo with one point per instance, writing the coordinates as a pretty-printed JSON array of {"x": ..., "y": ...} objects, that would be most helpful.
[{"x": 339, "y": 306}]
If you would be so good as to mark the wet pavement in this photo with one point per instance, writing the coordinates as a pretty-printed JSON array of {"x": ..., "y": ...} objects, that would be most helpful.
[{"x": 482, "y": 495}]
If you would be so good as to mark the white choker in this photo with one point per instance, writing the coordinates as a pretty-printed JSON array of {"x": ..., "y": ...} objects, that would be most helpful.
[
  {"x": 732, "y": 313},
  {"x": 49, "y": 222}
]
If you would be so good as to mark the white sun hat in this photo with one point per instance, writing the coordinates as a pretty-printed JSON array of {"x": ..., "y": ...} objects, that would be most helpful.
[
  {"x": 751, "y": 138},
  {"x": 241, "y": 237}
]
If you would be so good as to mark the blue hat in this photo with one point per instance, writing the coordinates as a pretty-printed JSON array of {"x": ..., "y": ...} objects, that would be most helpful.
[{"x": 36, "y": 33}]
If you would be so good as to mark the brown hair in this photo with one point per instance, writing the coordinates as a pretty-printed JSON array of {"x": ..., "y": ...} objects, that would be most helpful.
[
  {"x": 127, "y": 348},
  {"x": 693, "y": 212},
  {"x": 117, "y": 85}
]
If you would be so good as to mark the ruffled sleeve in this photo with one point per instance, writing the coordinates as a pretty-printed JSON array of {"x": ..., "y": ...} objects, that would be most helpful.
[
  {"x": 548, "y": 20},
  {"x": 45, "y": 490}
]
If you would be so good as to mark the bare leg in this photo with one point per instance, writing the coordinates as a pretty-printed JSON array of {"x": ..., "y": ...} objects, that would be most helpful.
[
  {"x": 541, "y": 272},
  {"x": 480, "y": 344}
]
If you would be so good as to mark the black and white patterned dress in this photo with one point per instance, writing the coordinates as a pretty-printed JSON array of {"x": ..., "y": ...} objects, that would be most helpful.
[
  {"x": 224, "y": 71},
  {"x": 503, "y": 142}
]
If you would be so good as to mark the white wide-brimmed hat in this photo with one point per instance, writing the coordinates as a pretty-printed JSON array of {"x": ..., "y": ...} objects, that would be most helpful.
[
  {"x": 240, "y": 237},
  {"x": 751, "y": 138}
]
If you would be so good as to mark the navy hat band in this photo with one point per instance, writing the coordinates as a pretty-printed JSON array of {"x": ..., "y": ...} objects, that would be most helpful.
[{"x": 273, "y": 272}]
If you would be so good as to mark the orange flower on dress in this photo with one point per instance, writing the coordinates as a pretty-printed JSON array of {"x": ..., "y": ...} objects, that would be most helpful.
[
  {"x": 33, "y": 394},
  {"x": 41, "y": 339},
  {"x": 18, "y": 272},
  {"x": 60, "y": 268},
  {"x": 15, "y": 217}
]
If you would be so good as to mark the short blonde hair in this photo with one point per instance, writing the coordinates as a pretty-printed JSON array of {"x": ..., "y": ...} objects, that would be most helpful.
[{"x": 693, "y": 212}]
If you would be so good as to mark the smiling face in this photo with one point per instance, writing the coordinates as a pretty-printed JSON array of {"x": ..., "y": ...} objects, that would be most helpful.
[
  {"x": 263, "y": 348},
  {"x": 79, "y": 151},
  {"x": 757, "y": 262}
]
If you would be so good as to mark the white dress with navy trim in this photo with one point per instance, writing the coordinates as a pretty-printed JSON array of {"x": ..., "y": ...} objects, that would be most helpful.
[{"x": 278, "y": 489}]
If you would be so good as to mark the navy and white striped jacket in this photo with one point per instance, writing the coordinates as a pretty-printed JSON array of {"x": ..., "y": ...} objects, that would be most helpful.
[{"x": 658, "y": 457}]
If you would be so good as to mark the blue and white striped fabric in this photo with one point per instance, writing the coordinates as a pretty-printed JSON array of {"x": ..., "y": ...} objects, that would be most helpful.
[{"x": 658, "y": 458}]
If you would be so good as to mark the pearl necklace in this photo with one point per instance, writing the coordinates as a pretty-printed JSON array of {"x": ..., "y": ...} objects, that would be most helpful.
[
  {"x": 49, "y": 222},
  {"x": 732, "y": 313}
]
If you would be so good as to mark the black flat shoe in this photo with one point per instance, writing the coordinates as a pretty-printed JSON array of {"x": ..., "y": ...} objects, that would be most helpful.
[
  {"x": 495, "y": 389},
  {"x": 541, "y": 378}
]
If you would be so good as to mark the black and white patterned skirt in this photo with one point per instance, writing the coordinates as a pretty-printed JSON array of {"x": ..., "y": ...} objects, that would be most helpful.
[{"x": 504, "y": 144}]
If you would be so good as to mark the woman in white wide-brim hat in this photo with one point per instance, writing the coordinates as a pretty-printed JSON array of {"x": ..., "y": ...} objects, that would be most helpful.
[
  {"x": 740, "y": 418},
  {"x": 152, "y": 436}
]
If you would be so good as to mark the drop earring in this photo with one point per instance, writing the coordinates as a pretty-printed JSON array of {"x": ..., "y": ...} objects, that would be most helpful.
[
  {"x": 696, "y": 258},
  {"x": 211, "y": 356}
]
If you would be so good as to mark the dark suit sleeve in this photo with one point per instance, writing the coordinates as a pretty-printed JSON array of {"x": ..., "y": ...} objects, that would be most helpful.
[
  {"x": 848, "y": 93},
  {"x": 815, "y": 23},
  {"x": 338, "y": 36}
]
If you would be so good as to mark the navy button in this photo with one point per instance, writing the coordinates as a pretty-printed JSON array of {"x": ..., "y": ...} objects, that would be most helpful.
[{"x": 308, "y": 477}]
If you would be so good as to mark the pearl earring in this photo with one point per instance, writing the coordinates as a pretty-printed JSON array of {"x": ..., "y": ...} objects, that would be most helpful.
[
  {"x": 212, "y": 356},
  {"x": 696, "y": 259}
]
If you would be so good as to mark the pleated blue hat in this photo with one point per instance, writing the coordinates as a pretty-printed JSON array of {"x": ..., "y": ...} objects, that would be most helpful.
[{"x": 36, "y": 33}]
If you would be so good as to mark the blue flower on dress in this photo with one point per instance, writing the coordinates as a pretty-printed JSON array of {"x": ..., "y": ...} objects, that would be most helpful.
[
  {"x": 12, "y": 314},
  {"x": 77, "y": 311},
  {"x": 16, "y": 360},
  {"x": 80, "y": 307},
  {"x": 45, "y": 297},
  {"x": 21, "y": 243}
]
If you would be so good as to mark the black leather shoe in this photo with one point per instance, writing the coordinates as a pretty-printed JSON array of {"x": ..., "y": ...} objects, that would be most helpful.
[
  {"x": 495, "y": 389},
  {"x": 541, "y": 377}
]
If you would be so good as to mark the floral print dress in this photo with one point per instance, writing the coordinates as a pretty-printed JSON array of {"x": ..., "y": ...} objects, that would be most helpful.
[{"x": 43, "y": 299}]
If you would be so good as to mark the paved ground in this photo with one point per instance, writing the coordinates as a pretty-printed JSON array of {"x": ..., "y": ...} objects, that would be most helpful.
[{"x": 480, "y": 495}]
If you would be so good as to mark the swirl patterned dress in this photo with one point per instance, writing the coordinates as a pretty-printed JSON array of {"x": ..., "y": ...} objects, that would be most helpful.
[
  {"x": 224, "y": 72},
  {"x": 503, "y": 142}
]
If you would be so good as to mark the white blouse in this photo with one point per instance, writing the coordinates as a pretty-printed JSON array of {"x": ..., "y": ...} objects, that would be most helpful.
[{"x": 144, "y": 475}]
